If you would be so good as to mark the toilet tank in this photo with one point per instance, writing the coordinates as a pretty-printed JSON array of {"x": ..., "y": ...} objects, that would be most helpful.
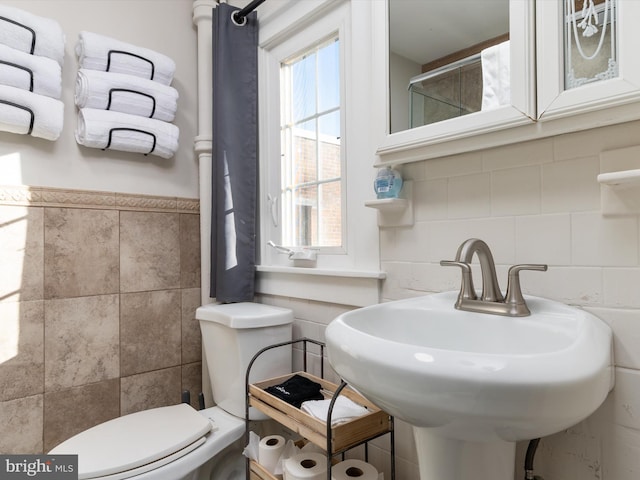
[{"x": 232, "y": 334}]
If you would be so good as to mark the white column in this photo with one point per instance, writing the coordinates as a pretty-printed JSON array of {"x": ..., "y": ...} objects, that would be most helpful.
[
  {"x": 441, "y": 458},
  {"x": 202, "y": 18}
]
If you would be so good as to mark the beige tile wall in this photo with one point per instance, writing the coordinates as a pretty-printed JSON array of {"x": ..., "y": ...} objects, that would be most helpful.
[{"x": 97, "y": 299}]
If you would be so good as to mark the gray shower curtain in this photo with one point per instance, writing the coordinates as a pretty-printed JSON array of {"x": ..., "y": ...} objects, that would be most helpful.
[{"x": 234, "y": 156}]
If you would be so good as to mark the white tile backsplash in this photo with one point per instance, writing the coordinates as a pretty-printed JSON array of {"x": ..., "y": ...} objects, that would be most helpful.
[
  {"x": 444, "y": 238},
  {"x": 625, "y": 399},
  {"x": 515, "y": 191},
  {"x": 625, "y": 324},
  {"x": 465, "y": 164},
  {"x": 571, "y": 285},
  {"x": 596, "y": 240},
  {"x": 621, "y": 454},
  {"x": 469, "y": 196},
  {"x": 518, "y": 155},
  {"x": 434, "y": 206},
  {"x": 543, "y": 239},
  {"x": 539, "y": 202},
  {"x": 571, "y": 185},
  {"x": 620, "y": 286}
]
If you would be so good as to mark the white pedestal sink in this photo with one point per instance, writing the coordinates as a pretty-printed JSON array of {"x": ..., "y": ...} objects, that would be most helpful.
[{"x": 472, "y": 384}]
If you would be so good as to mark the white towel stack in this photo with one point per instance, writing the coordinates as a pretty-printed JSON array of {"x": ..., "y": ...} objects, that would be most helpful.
[
  {"x": 124, "y": 97},
  {"x": 31, "y": 59}
]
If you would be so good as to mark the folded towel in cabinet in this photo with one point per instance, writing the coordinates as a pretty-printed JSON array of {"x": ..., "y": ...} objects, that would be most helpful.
[
  {"x": 128, "y": 133},
  {"x": 40, "y": 75},
  {"x": 31, "y": 33},
  {"x": 24, "y": 112},
  {"x": 125, "y": 93},
  {"x": 99, "y": 52},
  {"x": 344, "y": 409},
  {"x": 496, "y": 76}
]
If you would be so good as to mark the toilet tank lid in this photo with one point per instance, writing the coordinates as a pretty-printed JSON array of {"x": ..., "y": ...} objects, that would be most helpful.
[{"x": 245, "y": 315}]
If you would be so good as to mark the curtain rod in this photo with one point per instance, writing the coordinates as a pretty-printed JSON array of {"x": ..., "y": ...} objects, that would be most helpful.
[{"x": 240, "y": 15}]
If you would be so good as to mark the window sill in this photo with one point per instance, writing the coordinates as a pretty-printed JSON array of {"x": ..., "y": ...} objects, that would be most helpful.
[{"x": 345, "y": 287}]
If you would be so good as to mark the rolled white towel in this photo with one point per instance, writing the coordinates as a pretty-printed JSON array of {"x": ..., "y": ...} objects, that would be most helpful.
[
  {"x": 46, "y": 121},
  {"x": 45, "y": 38},
  {"x": 128, "y": 133},
  {"x": 40, "y": 75},
  {"x": 125, "y": 93},
  {"x": 98, "y": 52}
]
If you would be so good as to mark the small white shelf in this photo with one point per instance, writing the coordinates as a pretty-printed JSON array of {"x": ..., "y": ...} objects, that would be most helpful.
[
  {"x": 386, "y": 204},
  {"x": 395, "y": 212},
  {"x": 620, "y": 181},
  {"x": 623, "y": 177}
]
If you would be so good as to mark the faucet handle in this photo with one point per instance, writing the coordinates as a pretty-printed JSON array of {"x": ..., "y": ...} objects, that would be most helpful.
[
  {"x": 466, "y": 287},
  {"x": 514, "y": 292}
]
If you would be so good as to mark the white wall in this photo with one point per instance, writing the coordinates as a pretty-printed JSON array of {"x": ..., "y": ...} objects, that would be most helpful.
[
  {"x": 162, "y": 25},
  {"x": 539, "y": 202}
]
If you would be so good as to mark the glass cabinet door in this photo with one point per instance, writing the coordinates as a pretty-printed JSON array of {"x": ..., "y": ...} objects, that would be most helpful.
[
  {"x": 585, "y": 52},
  {"x": 591, "y": 37}
]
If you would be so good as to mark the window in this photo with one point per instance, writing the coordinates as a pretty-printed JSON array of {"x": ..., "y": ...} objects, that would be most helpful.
[
  {"x": 316, "y": 156},
  {"x": 311, "y": 155}
]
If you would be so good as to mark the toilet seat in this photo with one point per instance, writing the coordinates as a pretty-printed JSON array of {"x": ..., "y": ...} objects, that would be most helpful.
[
  {"x": 144, "y": 468},
  {"x": 138, "y": 442}
]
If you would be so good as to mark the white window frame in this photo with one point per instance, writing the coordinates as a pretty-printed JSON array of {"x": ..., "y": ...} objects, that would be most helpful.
[{"x": 349, "y": 275}]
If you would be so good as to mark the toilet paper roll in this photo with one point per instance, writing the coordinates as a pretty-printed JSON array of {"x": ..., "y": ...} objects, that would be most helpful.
[
  {"x": 354, "y": 469},
  {"x": 269, "y": 450},
  {"x": 306, "y": 466}
]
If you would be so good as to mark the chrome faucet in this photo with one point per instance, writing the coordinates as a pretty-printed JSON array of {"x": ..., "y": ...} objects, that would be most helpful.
[{"x": 491, "y": 300}]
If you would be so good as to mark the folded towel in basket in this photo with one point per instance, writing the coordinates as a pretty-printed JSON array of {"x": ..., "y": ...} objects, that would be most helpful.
[
  {"x": 296, "y": 390},
  {"x": 128, "y": 133},
  {"x": 21, "y": 111},
  {"x": 344, "y": 409},
  {"x": 45, "y": 38},
  {"x": 98, "y": 52},
  {"x": 125, "y": 93},
  {"x": 40, "y": 75}
]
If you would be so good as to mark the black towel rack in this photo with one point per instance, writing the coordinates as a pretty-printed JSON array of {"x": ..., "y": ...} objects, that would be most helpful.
[
  {"x": 115, "y": 90},
  {"x": 28, "y": 70},
  {"x": 31, "y": 30},
  {"x": 119, "y": 129},
  {"x": 123, "y": 52},
  {"x": 27, "y": 109}
]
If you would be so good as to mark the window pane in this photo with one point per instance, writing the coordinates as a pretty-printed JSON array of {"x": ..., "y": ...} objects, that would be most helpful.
[
  {"x": 329, "y": 146},
  {"x": 305, "y": 216},
  {"x": 590, "y": 41},
  {"x": 304, "y": 87},
  {"x": 330, "y": 212},
  {"x": 329, "y": 77},
  {"x": 305, "y": 160}
]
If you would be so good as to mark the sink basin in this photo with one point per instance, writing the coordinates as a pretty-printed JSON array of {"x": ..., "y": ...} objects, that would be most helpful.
[{"x": 475, "y": 377}]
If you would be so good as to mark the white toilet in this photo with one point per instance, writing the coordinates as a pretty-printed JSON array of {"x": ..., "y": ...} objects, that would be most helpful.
[{"x": 178, "y": 442}]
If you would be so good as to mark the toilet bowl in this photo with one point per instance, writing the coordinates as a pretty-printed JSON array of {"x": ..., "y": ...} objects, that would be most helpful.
[{"x": 177, "y": 442}]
